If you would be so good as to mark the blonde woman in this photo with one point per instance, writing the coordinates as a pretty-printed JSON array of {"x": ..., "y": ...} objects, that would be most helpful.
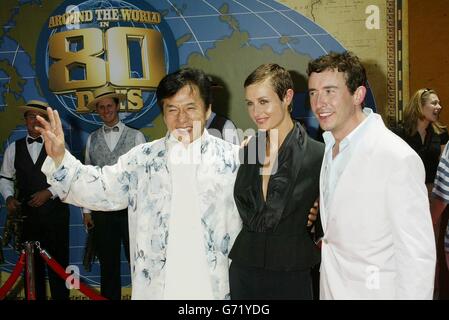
[
  {"x": 423, "y": 132},
  {"x": 273, "y": 254}
]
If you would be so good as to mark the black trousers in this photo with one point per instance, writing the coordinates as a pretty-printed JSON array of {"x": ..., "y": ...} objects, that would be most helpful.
[
  {"x": 248, "y": 283},
  {"x": 50, "y": 226},
  {"x": 111, "y": 229}
]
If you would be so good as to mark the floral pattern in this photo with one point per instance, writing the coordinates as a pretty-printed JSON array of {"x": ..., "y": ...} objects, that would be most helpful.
[{"x": 141, "y": 181}]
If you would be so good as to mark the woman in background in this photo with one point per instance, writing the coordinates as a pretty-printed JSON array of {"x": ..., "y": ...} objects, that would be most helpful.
[{"x": 423, "y": 132}]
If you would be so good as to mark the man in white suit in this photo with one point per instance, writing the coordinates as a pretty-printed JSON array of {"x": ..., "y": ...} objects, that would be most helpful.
[{"x": 378, "y": 240}]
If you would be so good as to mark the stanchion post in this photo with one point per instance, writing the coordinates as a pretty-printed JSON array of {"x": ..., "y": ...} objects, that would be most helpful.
[{"x": 29, "y": 271}]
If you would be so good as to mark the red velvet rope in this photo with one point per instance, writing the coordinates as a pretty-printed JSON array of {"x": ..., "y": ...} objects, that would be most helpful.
[
  {"x": 61, "y": 273},
  {"x": 13, "y": 277}
]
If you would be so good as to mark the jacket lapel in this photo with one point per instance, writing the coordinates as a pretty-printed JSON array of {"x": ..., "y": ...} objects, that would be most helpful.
[
  {"x": 323, "y": 213},
  {"x": 290, "y": 159}
]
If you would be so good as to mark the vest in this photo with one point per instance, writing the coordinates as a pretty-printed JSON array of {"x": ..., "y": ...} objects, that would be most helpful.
[
  {"x": 217, "y": 123},
  {"x": 29, "y": 176},
  {"x": 99, "y": 152}
]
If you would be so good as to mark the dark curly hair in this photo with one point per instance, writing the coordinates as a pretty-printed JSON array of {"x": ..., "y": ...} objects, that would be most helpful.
[{"x": 346, "y": 62}]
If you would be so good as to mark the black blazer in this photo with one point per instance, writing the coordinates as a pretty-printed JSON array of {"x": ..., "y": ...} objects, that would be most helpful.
[{"x": 274, "y": 234}]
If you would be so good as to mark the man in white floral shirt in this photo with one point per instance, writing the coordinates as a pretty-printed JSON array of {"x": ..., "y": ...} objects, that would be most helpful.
[{"x": 178, "y": 191}]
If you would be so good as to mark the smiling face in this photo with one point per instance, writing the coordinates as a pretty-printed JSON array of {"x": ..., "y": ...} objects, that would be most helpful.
[
  {"x": 336, "y": 109},
  {"x": 265, "y": 107},
  {"x": 185, "y": 113},
  {"x": 431, "y": 108},
  {"x": 108, "y": 109}
]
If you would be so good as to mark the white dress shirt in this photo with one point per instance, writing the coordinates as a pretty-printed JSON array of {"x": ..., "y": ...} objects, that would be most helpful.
[
  {"x": 334, "y": 167},
  {"x": 9, "y": 171},
  {"x": 187, "y": 273}
]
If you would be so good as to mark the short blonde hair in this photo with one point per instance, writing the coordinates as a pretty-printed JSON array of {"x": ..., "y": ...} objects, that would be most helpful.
[{"x": 280, "y": 79}]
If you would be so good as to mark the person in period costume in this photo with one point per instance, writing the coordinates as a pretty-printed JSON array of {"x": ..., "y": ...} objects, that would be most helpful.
[
  {"x": 46, "y": 217},
  {"x": 103, "y": 147}
]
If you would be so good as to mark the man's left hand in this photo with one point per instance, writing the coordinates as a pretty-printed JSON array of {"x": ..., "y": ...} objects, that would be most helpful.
[{"x": 39, "y": 198}]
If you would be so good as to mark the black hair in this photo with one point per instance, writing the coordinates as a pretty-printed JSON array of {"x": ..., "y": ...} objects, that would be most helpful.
[{"x": 173, "y": 82}]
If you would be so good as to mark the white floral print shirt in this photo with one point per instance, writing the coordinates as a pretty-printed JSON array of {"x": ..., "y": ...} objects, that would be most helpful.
[{"x": 141, "y": 181}]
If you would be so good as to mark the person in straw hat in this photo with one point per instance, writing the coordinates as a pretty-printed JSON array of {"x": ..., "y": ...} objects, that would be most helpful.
[
  {"x": 104, "y": 146},
  {"x": 47, "y": 218}
]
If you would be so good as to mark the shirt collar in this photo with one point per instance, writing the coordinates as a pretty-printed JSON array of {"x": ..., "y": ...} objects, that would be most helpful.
[
  {"x": 179, "y": 153},
  {"x": 171, "y": 139},
  {"x": 28, "y": 136},
  {"x": 353, "y": 136}
]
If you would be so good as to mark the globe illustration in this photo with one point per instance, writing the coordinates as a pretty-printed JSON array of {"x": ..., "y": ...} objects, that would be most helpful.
[
  {"x": 68, "y": 101},
  {"x": 226, "y": 38},
  {"x": 231, "y": 38}
]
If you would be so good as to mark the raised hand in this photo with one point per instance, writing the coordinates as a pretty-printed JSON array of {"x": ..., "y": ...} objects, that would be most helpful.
[{"x": 53, "y": 135}]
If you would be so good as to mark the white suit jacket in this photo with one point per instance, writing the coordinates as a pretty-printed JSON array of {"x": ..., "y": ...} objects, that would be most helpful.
[
  {"x": 141, "y": 181},
  {"x": 378, "y": 238}
]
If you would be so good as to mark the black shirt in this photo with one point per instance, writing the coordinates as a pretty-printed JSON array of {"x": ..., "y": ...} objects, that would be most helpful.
[{"x": 430, "y": 150}]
